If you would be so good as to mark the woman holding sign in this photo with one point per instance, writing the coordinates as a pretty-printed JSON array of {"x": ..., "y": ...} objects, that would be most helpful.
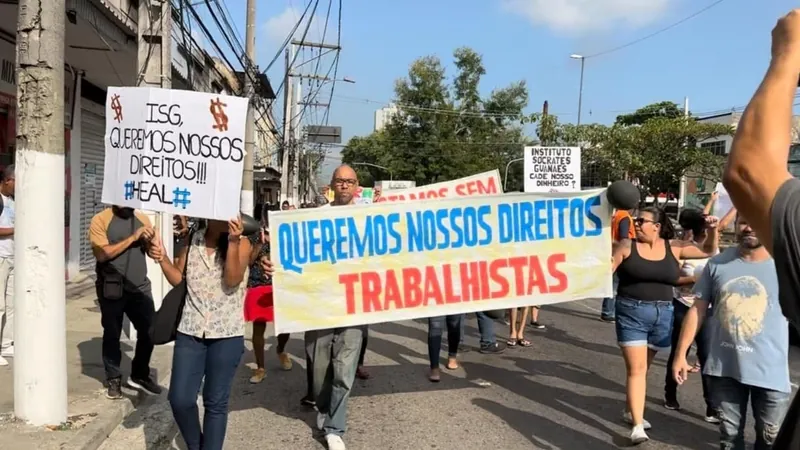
[
  {"x": 210, "y": 340},
  {"x": 648, "y": 271}
]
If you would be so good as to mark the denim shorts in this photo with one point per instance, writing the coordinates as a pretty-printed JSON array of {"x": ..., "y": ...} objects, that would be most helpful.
[{"x": 644, "y": 323}]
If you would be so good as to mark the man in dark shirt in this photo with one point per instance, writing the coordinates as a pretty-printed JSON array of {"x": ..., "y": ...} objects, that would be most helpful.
[
  {"x": 119, "y": 238},
  {"x": 761, "y": 187}
]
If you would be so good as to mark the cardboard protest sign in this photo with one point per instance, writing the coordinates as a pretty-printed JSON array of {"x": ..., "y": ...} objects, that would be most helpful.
[
  {"x": 361, "y": 264},
  {"x": 487, "y": 183},
  {"x": 174, "y": 151},
  {"x": 552, "y": 169}
]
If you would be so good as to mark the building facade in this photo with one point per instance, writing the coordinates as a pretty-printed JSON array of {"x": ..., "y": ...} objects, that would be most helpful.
[
  {"x": 100, "y": 52},
  {"x": 384, "y": 116}
]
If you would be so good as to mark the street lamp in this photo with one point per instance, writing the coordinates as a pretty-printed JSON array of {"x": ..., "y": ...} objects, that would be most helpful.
[
  {"x": 348, "y": 80},
  {"x": 580, "y": 92},
  {"x": 505, "y": 176},
  {"x": 391, "y": 175}
]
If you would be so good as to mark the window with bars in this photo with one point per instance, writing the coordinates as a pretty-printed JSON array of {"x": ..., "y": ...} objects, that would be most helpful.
[{"x": 717, "y": 147}]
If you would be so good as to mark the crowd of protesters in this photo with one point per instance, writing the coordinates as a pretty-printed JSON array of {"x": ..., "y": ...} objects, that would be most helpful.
[{"x": 672, "y": 289}]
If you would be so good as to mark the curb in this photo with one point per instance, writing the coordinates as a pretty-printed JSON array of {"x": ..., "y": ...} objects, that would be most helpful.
[{"x": 98, "y": 430}]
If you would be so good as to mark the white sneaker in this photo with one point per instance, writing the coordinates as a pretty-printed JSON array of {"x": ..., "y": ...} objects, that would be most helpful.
[
  {"x": 321, "y": 421},
  {"x": 3, "y": 361},
  {"x": 335, "y": 442},
  {"x": 638, "y": 435},
  {"x": 626, "y": 416},
  {"x": 8, "y": 352}
]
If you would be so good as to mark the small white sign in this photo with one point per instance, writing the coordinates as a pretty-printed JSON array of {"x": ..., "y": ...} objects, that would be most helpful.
[
  {"x": 552, "y": 169},
  {"x": 174, "y": 151},
  {"x": 395, "y": 185}
]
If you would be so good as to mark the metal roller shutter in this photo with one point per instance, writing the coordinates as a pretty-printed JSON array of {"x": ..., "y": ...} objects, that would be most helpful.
[{"x": 92, "y": 159}]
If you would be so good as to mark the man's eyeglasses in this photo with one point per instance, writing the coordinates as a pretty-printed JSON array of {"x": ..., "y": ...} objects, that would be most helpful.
[
  {"x": 641, "y": 221},
  {"x": 345, "y": 181}
]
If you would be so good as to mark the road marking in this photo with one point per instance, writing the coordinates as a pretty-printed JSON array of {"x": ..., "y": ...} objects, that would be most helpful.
[{"x": 580, "y": 302}]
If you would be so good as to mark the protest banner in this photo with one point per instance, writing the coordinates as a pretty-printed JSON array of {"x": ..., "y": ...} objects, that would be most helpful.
[
  {"x": 354, "y": 265},
  {"x": 487, "y": 183},
  {"x": 174, "y": 151},
  {"x": 552, "y": 169}
]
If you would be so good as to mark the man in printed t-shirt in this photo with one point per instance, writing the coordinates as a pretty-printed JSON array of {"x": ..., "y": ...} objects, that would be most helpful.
[
  {"x": 747, "y": 340},
  {"x": 762, "y": 188}
]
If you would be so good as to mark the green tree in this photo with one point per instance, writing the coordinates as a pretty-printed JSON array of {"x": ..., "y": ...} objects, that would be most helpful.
[
  {"x": 669, "y": 110},
  {"x": 445, "y": 130},
  {"x": 654, "y": 146}
]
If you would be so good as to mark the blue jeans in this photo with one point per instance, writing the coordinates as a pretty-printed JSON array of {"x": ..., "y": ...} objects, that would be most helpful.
[
  {"x": 335, "y": 359},
  {"x": 769, "y": 407},
  {"x": 194, "y": 359},
  {"x": 435, "y": 328},
  {"x": 644, "y": 323},
  {"x": 485, "y": 328},
  {"x": 609, "y": 303}
]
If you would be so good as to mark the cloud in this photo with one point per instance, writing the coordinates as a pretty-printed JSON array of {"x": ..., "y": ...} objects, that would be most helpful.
[
  {"x": 586, "y": 16},
  {"x": 277, "y": 28}
]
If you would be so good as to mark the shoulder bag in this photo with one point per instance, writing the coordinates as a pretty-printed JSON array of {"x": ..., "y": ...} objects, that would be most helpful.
[{"x": 164, "y": 328}]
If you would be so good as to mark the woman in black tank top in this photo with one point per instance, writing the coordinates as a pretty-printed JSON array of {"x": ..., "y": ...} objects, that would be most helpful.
[{"x": 648, "y": 272}]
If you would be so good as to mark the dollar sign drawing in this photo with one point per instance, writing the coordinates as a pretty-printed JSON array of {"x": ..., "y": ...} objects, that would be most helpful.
[
  {"x": 117, "y": 107},
  {"x": 217, "y": 110}
]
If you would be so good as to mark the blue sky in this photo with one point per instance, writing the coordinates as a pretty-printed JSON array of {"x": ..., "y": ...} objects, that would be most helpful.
[{"x": 716, "y": 59}]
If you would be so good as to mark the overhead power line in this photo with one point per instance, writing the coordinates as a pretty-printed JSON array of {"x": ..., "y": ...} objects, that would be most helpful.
[{"x": 655, "y": 33}]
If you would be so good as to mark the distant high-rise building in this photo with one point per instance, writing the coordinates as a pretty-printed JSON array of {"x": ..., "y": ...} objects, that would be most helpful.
[{"x": 384, "y": 116}]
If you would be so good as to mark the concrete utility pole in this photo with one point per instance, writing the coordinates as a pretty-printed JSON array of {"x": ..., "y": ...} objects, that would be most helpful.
[
  {"x": 291, "y": 188},
  {"x": 40, "y": 341},
  {"x": 246, "y": 203},
  {"x": 297, "y": 147},
  {"x": 154, "y": 69},
  {"x": 288, "y": 110}
]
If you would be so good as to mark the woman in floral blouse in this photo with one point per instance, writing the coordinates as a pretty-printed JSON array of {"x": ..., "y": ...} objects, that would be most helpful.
[{"x": 210, "y": 340}]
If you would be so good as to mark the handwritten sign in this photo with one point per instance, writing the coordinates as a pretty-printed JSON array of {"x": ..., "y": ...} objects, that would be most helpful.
[
  {"x": 552, "y": 169},
  {"x": 487, "y": 183},
  {"x": 355, "y": 265},
  {"x": 174, "y": 151}
]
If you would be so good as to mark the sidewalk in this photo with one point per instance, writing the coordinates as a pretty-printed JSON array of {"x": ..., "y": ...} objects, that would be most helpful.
[{"x": 92, "y": 417}]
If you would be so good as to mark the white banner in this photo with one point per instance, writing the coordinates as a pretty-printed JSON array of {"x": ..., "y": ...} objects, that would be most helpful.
[
  {"x": 174, "y": 151},
  {"x": 486, "y": 183},
  {"x": 552, "y": 169}
]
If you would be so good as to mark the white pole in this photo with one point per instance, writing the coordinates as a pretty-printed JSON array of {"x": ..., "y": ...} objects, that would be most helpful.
[
  {"x": 682, "y": 186},
  {"x": 154, "y": 63},
  {"x": 40, "y": 340}
]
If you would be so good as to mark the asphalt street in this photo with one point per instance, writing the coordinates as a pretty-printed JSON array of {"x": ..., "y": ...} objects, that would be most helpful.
[{"x": 564, "y": 392}]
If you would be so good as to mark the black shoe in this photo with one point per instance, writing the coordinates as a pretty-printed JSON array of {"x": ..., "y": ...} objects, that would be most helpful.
[
  {"x": 114, "y": 391},
  {"x": 537, "y": 326},
  {"x": 608, "y": 319},
  {"x": 495, "y": 348},
  {"x": 671, "y": 403},
  {"x": 145, "y": 384},
  {"x": 464, "y": 349},
  {"x": 308, "y": 401},
  {"x": 712, "y": 415}
]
